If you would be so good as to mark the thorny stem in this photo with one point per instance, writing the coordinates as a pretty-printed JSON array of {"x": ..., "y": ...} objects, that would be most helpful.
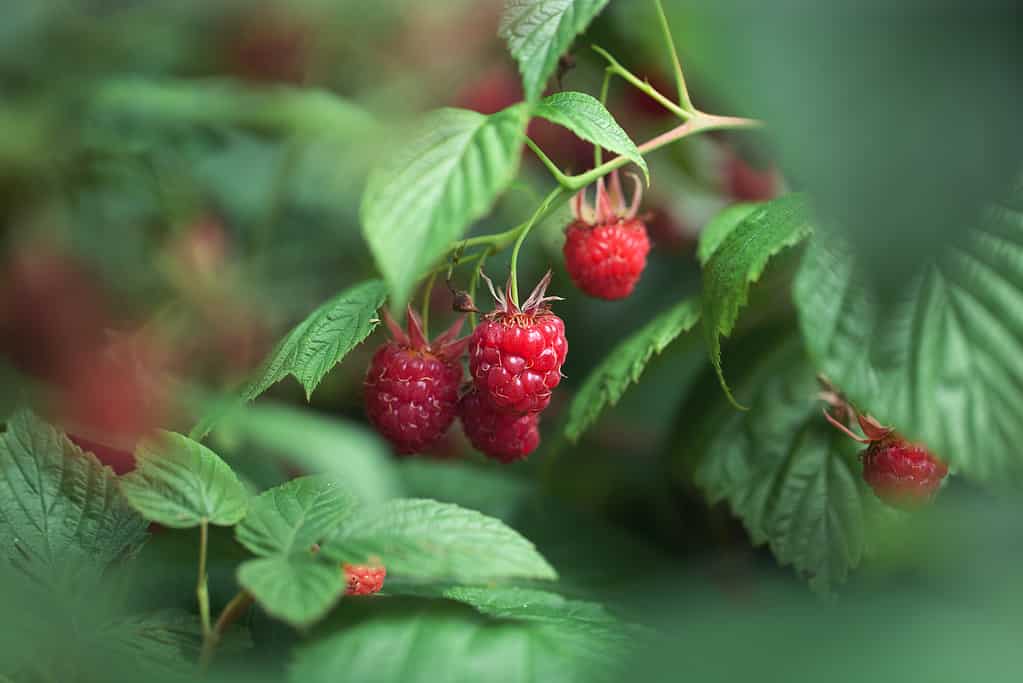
[
  {"x": 230, "y": 614},
  {"x": 522, "y": 238},
  {"x": 202, "y": 591},
  {"x": 427, "y": 292},
  {"x": 643, "y": 86},
  {"x": 680, "y": 79}
]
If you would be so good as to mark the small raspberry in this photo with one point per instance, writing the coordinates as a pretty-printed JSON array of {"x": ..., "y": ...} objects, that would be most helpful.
[
  {"x": 902, "y": 474},
  {"x": 505, "y": 438},
  {"x": 412, "y": 385},
  {"x": 516, "y": 354},
  {"x": 606, "y": 245},
  {"x": 362, "y": 579}
]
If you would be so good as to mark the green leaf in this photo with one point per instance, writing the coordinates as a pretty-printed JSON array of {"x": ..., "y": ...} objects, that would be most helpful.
[
  {"x": 941, "y": 361},
  {"x": 720, "y": 227},
  {"x": 180, "y": 483},
  {"x": 420, "y": 200},
  {"x": 62, "y": 515},
  {"x": 347, "y": 451},
  {"x": 740, "y": 260},
  {"x": 538, "y": 32},
  {"x": 425, "y": 539},
  {"x": 291, "y": 517},
  {"x": 529, "y": 643},
  {"x": 792, "y": 478},
  {"x": 298, "y": 589},
  {"x": 585, "y": 116},
  {"x": 608, "y": 381},
  {"x": 322, "y": 340}
]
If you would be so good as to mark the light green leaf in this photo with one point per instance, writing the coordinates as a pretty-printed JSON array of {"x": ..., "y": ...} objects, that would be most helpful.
[
  {"x": 180, "y": 483},
  {"x": 740, "y": 260},
  {"x": 538, "y": 32},
  {"x": 291, "y": 517},
  {"x": 720, "y": 227},
  {"x": 941, "y": 361},
  {"x": 322, "y": 340},
  {"x": 623, "y": 366},
  {"x": 420, "y": 200},
  {"x": 61, "y": 512},
  {"x": 424, "y": 539},
  {"x": 345, "y": 450},
  {"x": 792, "y": 478},
  {"x": 533, "y": 642},
  {"x": 298, "y": 589},
  {"x": 585, "y": 116}
]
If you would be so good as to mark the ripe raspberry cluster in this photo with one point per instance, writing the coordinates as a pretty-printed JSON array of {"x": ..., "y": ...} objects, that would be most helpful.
[
  {"x": 363, "y": 579},
  {"x": 515, "y": 359}
]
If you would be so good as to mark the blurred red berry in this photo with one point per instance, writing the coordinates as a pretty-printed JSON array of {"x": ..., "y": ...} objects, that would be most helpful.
[
  {"x": 747, "y": 184},
  {"x": 120, "y": 461},
  {"x": 497, "y": 435},
  {"x": 606, "y": 246},
  {"x": 516, "y": 354},
  {"x": 901, "y": 473},
  {"x": 361, "y": 579},
  {"x": 271, "y": 45},
  {"x": 412, "y": 385}
]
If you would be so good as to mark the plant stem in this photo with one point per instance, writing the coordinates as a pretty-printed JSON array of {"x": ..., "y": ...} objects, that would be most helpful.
[
  {"x": 644, "y": 86},
  {"x": 680, "y": 79},
  {"x": 546, "y": 161},
  {"x": 699, "y": 123},
  {"x": 608, "y": 73},
  {"x": 427, "y": 292},
  {"x": 522, "y": 238},
  {"x": 234, "y": 609},
  {"x": 474, "y": 281},
  {"x": 202, "y": 591}
]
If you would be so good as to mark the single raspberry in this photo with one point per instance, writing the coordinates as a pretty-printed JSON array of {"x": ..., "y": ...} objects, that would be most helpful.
[
  {"x": 363, "y": 579},
  {"x": 516, "y": 354},
  {"x": 412, "y": 385},
  {"x": 500, "y": 436},
  {"x": 606, "y": 245},
  {"x": 901, "y": 473}
]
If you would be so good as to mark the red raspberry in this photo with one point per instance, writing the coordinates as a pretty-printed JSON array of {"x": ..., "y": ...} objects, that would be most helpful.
[
  {"x": 606, "y": 246},
  {"x": 500, "y": 436},
  {"x": 515, "y": 355},
  {"x": 902, "y": 474},
  {"x": 362, "y": 579},
  {"x": 412, "y": 385}
]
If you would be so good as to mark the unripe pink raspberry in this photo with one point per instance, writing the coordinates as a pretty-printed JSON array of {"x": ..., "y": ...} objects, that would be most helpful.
[
  {"x": 412, "y": 385},
  {"x": 503, "y": 437},
  {"x": 606, "y": 245},
  {"x": 516, "y": 354}
]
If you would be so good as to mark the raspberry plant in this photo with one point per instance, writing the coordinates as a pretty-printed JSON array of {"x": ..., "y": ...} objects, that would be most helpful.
[{"x": 172, "y": 510}]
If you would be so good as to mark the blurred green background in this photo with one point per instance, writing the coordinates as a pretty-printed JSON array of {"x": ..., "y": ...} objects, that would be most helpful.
[{"x": 180, "y": 182}]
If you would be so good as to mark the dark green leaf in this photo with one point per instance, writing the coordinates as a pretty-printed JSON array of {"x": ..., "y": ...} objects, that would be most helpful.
[
  {"x": 941, "y": 361},
  {"x": 425, "y": 539},
  {"x": 322, "y": 340},
  {"x": 291, "y": 517},
  {"x": 298, "y": 589},
  {"x": 538, "y": 32},
  {"x": 792, "y": 478},
  {"x": 420, "y": 200},
  {"x": 624, "y": 365},
  {"x": 585, "y": 116},
  {"x": 62, "y": 515},
  {"x": 180, "y": 483},
  {"x": 740, "y": 260}
]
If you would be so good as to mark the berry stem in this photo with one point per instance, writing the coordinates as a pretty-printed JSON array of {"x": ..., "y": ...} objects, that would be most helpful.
[
  {"x": 555, "y": 193},
  {"x": 474, "y": 281},
  {"x": 680, "y": 79},
  {"x": 608, "y": 74},
  {"x": 230, "y": 614},
  {"x": 202, "y": 591},
  {"x": 425, "y": 311},
  {"x": 642, "y": 85},
  {"x": 546, "y": 161}
]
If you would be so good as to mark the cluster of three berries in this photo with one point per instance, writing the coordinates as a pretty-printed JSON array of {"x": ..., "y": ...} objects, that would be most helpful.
[{"x": 413, "y": 386}]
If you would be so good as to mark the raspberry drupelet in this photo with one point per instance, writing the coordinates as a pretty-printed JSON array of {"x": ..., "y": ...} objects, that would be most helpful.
[
  {"x": 411, "y": 386},
  {"x": 503, "y": 437},
  {"x": 362, "y": 579},
  {"x": 606, "y": 245},
  {"x": 516, "y": 354}
]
